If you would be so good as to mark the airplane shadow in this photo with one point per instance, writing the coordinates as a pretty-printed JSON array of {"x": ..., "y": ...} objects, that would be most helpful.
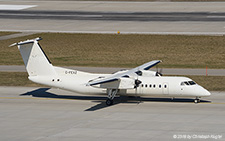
[{"x": 42, "y": 92}]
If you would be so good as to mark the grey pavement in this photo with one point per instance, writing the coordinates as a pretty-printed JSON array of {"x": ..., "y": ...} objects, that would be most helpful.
[
  {"x": 166, "y": 71},
  {"x": 15, "y": 35},
  {"x": 115, "y": 16},
  {"x": 43, "y": 114},
  {"x": 129, "y": 17},
  {"x": 119, "y": 6}
]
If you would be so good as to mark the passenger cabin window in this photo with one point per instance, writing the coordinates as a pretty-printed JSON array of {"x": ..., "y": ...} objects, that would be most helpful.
[
  {"x": 159, "y": 86},
  {"x": 165, "y": 86},
  {"x": 154, "y": 86},
  {"x": 150, "y": 85},
  {"x": 146, "y": 85}
]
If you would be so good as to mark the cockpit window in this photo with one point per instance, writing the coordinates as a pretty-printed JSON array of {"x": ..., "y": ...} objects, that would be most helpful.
[
  {"x": 192, "y": 83},
  {"x": 187, "y": 83}
]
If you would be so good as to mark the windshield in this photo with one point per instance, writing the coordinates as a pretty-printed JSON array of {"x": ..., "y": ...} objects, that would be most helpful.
[
  {"x": 191, "y": 82},
  {"x": 188, "y": 83}
]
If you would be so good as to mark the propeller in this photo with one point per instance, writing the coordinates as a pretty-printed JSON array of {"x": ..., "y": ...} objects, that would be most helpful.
[
  {"x": 158, "y": 72},
  {"x": 137, "y": 83}
]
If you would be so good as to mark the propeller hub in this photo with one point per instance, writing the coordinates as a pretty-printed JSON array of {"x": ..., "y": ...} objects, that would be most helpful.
[{"x": 137, "y": 83}]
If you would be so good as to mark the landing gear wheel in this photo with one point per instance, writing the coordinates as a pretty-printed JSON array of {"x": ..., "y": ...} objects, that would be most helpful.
[
  {"x": 109, "y": 102},
  {"x": 197, "y": 101}
]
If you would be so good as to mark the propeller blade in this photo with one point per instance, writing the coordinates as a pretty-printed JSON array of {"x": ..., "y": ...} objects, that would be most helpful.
[{"x": 158, "y": 72}]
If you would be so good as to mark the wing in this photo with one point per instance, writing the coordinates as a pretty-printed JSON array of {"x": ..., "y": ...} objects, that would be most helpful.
[
  {"x": 123, "y": 79},
  {"x": 145, "y": 66}
]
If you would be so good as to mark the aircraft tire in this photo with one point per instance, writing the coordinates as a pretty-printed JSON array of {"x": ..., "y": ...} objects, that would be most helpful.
[
  {"x": 197, "y": 101},
  {"x": 109, "y": 102}
]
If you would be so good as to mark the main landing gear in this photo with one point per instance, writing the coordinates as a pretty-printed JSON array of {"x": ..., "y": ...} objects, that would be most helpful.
[
  {"x": 111, "y": 94},
  {"x": 109, "y": 102},
  {"x": 197, "y": 100}
]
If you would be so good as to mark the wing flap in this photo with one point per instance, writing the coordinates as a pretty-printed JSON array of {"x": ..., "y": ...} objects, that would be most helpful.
[
  {"x": 103, "y": 81},
  {"x": 121, "y": 83}
]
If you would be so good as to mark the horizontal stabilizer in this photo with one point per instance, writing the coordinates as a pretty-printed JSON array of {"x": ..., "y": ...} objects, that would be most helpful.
[{"x": 26, "y": 42}]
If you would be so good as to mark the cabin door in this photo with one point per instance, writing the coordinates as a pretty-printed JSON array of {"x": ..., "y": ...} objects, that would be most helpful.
[{"x": 140, "y": 89}]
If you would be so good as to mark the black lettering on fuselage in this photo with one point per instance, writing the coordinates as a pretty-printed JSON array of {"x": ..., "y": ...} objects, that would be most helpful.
[{"x": 70, "y": 72}]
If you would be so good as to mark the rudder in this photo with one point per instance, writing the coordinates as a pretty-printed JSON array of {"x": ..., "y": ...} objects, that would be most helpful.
[{"x": 35, "y": 60}]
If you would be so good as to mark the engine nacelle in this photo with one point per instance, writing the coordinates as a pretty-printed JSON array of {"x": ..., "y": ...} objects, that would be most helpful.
[
  {"x": 148, "y": 73},
  {"x": 122, "y": 83}
]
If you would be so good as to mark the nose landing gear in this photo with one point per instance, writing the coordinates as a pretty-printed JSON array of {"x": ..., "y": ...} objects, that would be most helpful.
[{"x": 197, "y": 100}]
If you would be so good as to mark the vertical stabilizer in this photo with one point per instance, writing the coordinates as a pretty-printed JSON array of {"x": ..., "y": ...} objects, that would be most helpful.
[{"x": 35, "y": 60}]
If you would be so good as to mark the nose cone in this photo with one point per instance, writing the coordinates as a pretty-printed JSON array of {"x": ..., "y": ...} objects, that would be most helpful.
[
  {"x": 206, "y": 93},
  {"x": 200, "y": 91}
]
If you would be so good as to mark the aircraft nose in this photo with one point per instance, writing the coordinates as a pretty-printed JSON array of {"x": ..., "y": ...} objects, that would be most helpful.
[
  {"x": 202, "y": 91},
  {"x": 206, "y": 92}
]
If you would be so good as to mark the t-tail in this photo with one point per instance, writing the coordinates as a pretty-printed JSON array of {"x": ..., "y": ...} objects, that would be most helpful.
[
  {"x": 41, "y": 70},
  {"x": 35, "y": 60},
  {"x": 38, "y": 66}
]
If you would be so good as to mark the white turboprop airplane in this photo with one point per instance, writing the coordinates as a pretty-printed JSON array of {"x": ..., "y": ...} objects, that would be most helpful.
[{"x": 139, "y": 81}]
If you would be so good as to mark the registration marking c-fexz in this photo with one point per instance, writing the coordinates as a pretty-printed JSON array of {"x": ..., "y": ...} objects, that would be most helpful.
[{"x": 70, "y": 72}]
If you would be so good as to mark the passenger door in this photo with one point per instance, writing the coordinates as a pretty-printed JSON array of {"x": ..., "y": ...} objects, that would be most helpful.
[{"x": 140, "y": 89}]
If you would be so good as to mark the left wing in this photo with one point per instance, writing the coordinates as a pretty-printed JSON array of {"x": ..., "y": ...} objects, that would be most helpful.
[{"x": 119, "y": 79}]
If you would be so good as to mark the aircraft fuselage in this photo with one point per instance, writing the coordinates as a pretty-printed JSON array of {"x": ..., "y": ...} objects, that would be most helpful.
[{"x": 151, "y": 86}]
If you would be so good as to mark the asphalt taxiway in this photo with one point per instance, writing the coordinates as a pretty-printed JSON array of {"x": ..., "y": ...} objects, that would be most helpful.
[
  {"x": 44, "y": 114},
  {"x": 109, "y": 17}
]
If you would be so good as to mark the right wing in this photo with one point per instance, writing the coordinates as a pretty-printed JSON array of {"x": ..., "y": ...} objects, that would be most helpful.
[{"x": 124, "y": 79}]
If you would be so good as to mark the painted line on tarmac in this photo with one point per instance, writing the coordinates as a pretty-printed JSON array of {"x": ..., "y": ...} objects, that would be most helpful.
[
  {"x": 213, "y": 103},
  {"x": 121, "y": 32},
  {"x": 32, "y": 98},
  {"x": 36, "y": 98},
  {"x": 15, "y": 7}
]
